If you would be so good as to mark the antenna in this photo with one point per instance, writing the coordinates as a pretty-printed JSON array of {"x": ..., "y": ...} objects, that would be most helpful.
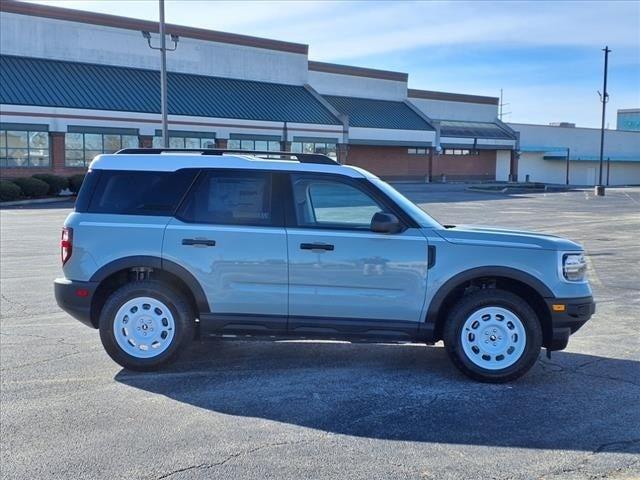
[{"x": 501, "y": 105}]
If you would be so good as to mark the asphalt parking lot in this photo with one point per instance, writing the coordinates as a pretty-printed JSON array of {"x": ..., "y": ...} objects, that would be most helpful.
[{"x": 295, "y": 410}]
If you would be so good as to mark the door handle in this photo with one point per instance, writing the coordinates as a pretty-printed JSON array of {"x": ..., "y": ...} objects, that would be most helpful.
[
  {"x": 204, "y": 242},
  {"x": 316, "y": 246}
]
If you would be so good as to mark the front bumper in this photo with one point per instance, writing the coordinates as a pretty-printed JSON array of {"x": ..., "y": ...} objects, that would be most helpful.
[
  {"x": 75, "y": 298},
  {"x": 564, "y": 323}
]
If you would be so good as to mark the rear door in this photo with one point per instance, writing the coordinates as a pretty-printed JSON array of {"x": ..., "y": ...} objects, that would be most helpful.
[
  {"x": 229, "y": 234},
  {"x": 342, "y": 276}
]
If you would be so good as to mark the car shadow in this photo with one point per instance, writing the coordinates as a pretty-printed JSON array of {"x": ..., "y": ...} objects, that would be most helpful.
[{"x": 408, "y": 393}]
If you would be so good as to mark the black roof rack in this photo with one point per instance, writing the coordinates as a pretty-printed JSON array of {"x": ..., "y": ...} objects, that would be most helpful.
[{"x": 300, "y": 157}]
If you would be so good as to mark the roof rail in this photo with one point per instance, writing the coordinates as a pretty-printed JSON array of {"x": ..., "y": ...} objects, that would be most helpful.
[{"x": 300, "y": 157}]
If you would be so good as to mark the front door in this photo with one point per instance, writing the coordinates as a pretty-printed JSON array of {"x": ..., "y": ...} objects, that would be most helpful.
[
  {"x": 230, "y": 236},
  {"x": 342, "y": 276}
]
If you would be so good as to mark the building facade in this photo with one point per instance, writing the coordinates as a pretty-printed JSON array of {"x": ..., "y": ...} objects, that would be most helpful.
[
  {"x": 628, "y": 119},
  {"x": 75, "y": 84}
]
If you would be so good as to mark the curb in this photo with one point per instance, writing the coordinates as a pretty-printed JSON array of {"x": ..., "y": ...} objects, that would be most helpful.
[{"x": 34, "y": 201}]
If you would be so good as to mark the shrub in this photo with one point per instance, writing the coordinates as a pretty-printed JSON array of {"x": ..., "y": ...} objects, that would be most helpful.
[
  {"x": 9, "y": 191},
  {"x": 55, "y": 182},
  {"x": 32, "y": 187},
  {"x": 75, "y": 182}
]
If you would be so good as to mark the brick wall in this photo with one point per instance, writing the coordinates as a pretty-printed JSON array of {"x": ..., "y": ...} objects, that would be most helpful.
[
  {"x": 396, "y": 163},
  {"x": 465, "y": 167},
  {"x": 388, "y": 162}
]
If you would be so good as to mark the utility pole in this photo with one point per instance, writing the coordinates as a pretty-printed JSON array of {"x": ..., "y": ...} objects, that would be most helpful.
[
  {"x": 604, "y": 98},
  {"x": 163, "y": 72},
  {"x": 502, "y": 113},
  {"x": 568, "y": 155}
]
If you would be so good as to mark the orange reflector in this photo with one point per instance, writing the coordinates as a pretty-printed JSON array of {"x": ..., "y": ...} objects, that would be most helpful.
[{"x": 559, "y": 307}]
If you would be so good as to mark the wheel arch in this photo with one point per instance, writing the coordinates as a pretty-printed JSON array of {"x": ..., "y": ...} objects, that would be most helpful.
[
  {"x": 116, "y": 273},
  {"x": 523, "y": 284}
]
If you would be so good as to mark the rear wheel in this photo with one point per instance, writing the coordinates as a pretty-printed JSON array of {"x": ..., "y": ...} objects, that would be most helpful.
[
  {"x": 493, "y": 336},
  {"x": 144, "y": 325}
]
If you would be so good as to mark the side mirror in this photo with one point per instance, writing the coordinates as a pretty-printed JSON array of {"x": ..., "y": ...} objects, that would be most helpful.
[{"x": 385, "y": 223}]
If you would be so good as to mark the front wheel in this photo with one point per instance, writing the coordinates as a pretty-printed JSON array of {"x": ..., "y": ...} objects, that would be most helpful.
[
  {"x": 493, "y": 336},
  {"x": 143, "y": 325}
]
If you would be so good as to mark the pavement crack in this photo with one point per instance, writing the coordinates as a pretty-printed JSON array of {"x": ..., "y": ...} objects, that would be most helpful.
[
  {"x": 602, "y": 448},
  {"x": 557, "y": 368},
  {"x": 60, "y": 341},
  {"x": 623, "y": 443},
  {"x": 232, "y": 456},
  {"x": 17, "y": 307}
]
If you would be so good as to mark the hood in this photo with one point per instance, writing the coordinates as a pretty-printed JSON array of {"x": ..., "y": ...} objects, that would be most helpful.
[{"x": 498, "y": 237}]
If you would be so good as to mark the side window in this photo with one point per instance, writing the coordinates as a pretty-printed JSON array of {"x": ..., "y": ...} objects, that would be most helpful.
[
  {"x": 230, "y": 198},
  {"x": 332, "y": 204},
  {"x": 140, "y": 193}
]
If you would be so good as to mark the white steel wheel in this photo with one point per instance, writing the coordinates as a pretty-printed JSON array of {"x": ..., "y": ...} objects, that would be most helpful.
[
  {"x": 144, "y": 327},
  {"x": 493, "y": 338}
]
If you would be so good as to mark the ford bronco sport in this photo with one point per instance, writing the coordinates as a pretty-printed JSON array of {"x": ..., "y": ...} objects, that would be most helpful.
[{"x": 163, "y": 244}]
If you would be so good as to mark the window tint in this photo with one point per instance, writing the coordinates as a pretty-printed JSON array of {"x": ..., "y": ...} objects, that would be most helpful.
[
  {"x": 231, "y": 198},
  {"x": 328, "y": 203},
  {"x": 140, "y": 193}
]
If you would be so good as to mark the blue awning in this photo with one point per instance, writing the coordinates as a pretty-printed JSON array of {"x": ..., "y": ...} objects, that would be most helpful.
[
  {"x": 463, "y": 129},
  {"x": 371, "y": 113},
  {"x": 55, "y": 83}
]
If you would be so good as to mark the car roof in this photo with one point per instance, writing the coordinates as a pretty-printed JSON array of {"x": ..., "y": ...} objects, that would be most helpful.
[{"x": 170, "y": 162}]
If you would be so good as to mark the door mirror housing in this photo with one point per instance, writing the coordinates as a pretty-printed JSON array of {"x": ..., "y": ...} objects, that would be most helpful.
[{"x": 385, "y": 223}]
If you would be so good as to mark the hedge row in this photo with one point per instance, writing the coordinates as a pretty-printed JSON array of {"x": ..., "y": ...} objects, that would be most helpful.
[{"x": 39, "y": 185}]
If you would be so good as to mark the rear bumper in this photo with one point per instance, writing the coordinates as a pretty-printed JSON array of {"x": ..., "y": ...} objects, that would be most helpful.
[
  {"x": 75, "y": 298},
  {"x": 564, "y": 323}
]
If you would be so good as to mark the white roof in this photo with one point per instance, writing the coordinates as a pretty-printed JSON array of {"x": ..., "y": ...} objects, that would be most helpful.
[{"x": 170, "y": 162}]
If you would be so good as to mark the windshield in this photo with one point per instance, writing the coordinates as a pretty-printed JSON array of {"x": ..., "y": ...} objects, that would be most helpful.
[{"x": 419, "y": 215}]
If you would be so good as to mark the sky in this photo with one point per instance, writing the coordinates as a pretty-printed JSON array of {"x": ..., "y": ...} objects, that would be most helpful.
[{"x": 545, "y": 55}]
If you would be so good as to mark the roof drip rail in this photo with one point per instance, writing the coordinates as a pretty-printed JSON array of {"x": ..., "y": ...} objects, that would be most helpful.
[{"x": 317, "y": 158}]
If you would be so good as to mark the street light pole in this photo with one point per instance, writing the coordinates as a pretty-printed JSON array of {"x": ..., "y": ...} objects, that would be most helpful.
[
  {"x": 604, "y": 98},
  {"x": 163, "y": 81},
  {"x": 163, "y": 72}
]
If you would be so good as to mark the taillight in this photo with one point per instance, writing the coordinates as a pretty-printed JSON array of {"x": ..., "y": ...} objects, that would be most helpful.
[{"x": 66, "y": 244}]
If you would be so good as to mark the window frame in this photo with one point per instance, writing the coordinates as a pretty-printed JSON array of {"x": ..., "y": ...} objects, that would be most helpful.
[
  {"x": 253, "y": 141},
  {"x": 276, "y": 198},
  {"x": 188, "y": 135},
  {"x": 84, "y": 148},
  {"x": 4, "y": 160},
  {"x": 326, "y": 143},
  {"x": 419, "y": 151},
  {"x": 361, "y": 184}
]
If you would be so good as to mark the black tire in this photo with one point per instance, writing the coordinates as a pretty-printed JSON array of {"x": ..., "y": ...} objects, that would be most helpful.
[
  {"x": 471, "y": 303},
  {"x": 183, "y": 315}
]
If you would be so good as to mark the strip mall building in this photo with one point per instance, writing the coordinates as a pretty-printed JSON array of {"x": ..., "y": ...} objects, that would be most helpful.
[{"x": 74, "y": 84}]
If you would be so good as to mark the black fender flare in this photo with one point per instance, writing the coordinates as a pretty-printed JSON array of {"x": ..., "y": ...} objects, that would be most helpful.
[
  {"x": 156, "y": 263},
  {"x": 428, "y": 329}
]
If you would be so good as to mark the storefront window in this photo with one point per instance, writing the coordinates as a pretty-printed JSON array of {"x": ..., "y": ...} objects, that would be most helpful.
[
  {"x": 460, "y": 151},
  {"x": 81, "y": 148},
  {"x": 178, "y": 141},
  {"x": 417, "y": 151},
  {"x": 24, "y": 149},
  {"x": 257, "y": 144},
  {"x": 325, "y": 148}
]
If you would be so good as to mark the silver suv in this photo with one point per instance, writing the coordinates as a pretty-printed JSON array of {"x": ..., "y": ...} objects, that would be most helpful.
[{"x": 164, "y": 245}]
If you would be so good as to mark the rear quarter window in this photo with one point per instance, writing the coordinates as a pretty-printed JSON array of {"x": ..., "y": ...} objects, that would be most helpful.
[
  {"x": 140, "y": 193},
  {"x": 230, "y": 198}
]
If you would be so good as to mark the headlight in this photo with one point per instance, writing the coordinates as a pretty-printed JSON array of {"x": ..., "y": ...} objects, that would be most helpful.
[{"x": 574, "y": 267}]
